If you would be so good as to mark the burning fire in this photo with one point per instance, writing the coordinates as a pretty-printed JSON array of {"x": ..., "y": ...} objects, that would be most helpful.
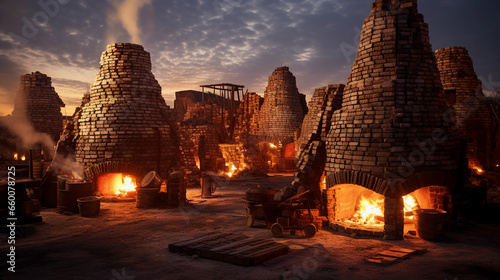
[
  {"x": 16, "y": 156},
  {"x": 478, "y": 169},
  {"x": 272, "y": 145},
  {"x": 232, "y": 170},
  {"x": 197, "y": 160},
  {"x": 371, "y": 211},
  {"x": 23, "y": 158},
  {"x": 410, "y": 205},
  {"x": 127, "y": 186}
]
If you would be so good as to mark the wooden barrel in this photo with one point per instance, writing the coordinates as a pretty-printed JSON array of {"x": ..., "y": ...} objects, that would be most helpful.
[
  {"x": 67, "y": 199},
  {"x": 147, "y": 197},
  {"x": 429, "y": 223}
]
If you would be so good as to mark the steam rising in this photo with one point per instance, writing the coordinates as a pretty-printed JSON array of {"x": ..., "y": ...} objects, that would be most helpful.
[
  {"x": 68, "y": 165},
  {"x": 126, "y": 14}
]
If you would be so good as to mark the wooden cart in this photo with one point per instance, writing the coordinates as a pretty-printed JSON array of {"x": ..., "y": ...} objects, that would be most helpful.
[{"x": 297, "y": 215}]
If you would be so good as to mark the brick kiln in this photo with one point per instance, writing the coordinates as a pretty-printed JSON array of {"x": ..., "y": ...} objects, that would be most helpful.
[
  {"x": 283, "y": 109},
  {"x": 464, "y": 91},
  {"x": 390, "y": 143},
  {"x": 37, "y": 100},
  {"x": 126, "y": 125}
]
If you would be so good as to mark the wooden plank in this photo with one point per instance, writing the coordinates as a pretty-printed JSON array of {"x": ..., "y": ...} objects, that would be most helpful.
[
  {"x": 249, "y": 247},
  {"x": 402, "y": 250},
  {"x": 177, "y": 247},
  {"x": 381, "y": 260},
  {"x": 393, "y": 254},
  {"x": 231, "y": 245},
  {"x": 232, "y": 248}
]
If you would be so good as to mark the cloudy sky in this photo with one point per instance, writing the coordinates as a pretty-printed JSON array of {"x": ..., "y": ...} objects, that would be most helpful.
[{"x": 194, "y": 42}]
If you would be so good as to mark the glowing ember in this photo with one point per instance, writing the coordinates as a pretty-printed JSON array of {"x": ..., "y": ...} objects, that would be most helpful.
[
  {"x": 410, "y": 205},
  {"x": 126, "y": 186},
  {"x": 323, "y": 183},
  {"x": 15, "y": 156},
  {"x": 197, "y": 160},
  {"x": 232, "y": 170},
  {"x": 476, "y": 167},
  {"x": 272, "y": 145},
  {"x": 370, "y": 211},
  {"x": 23, "y": 158}
]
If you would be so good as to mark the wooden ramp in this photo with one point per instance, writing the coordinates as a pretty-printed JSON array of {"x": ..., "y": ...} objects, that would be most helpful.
[{"x": 232, "y": 248}]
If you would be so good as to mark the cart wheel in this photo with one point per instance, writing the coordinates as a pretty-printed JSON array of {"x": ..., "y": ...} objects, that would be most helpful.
[
  {"x": 250, "y": 220},
  {"x": 293, "y": 232},
  {"x": 310, "y": 230},
  {"x": 277, "y": 230}
]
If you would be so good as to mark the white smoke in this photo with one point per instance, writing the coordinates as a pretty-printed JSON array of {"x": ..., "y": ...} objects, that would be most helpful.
[
  {"x": 68, "y": 165},
  {"x": 22, "y": 128},
  {"x": 125, "y": 14}
]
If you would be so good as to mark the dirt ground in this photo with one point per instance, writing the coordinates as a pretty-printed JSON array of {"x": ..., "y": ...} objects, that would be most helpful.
[{"x": 124, "y": 242}]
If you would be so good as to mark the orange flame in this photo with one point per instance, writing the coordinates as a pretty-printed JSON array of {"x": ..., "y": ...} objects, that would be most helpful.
[
  {"x": 16, "y": 156},
  {"x": 476, "y": 167},
  {"x": 410, "y": 205},
  {"x": 371, "y": 211},
  {"x": 197, "y": 160},
  {"x": 23, "y": 158},
  {"x": 126, "y": 186},
  {"x": 232, "y": 170}
]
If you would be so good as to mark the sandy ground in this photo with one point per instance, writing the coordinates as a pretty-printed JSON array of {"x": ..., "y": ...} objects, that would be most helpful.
[{"x": 124, "y": 242}]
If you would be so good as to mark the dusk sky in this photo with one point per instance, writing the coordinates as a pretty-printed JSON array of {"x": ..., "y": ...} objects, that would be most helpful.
[{"x": 194, "y": 42}]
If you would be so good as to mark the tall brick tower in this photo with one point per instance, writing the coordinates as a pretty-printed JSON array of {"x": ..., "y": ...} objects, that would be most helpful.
[
  {"x": 390, "y": 135},
  {"x": 282, "y": 113}
]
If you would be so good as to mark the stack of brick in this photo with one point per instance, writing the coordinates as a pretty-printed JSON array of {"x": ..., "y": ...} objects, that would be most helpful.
[
  {"x": 126, "y": 119},
  {"x": 325, "y": 99},
  {"x": 282, "y": 112},
  {"x": 37, "y": 100},
  {"x": 393, "y": 102},
  {"x": 464, "y": 92},
  {"x": 247, "y": 116},
  {"x": 312, "y": 153}
]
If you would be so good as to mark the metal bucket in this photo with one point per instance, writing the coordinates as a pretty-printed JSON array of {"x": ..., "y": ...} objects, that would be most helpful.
[
  {"x": 147, "y": 197},
  {"x": 429, "y": 223},
  {"x": 89, "y": 206}
]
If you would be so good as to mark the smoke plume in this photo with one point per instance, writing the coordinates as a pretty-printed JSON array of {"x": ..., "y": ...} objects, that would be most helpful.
[
  {"x": 22, "y": 128},
  {"x": 68, "y": 166},
  {"x": 125, "y": 14}
]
